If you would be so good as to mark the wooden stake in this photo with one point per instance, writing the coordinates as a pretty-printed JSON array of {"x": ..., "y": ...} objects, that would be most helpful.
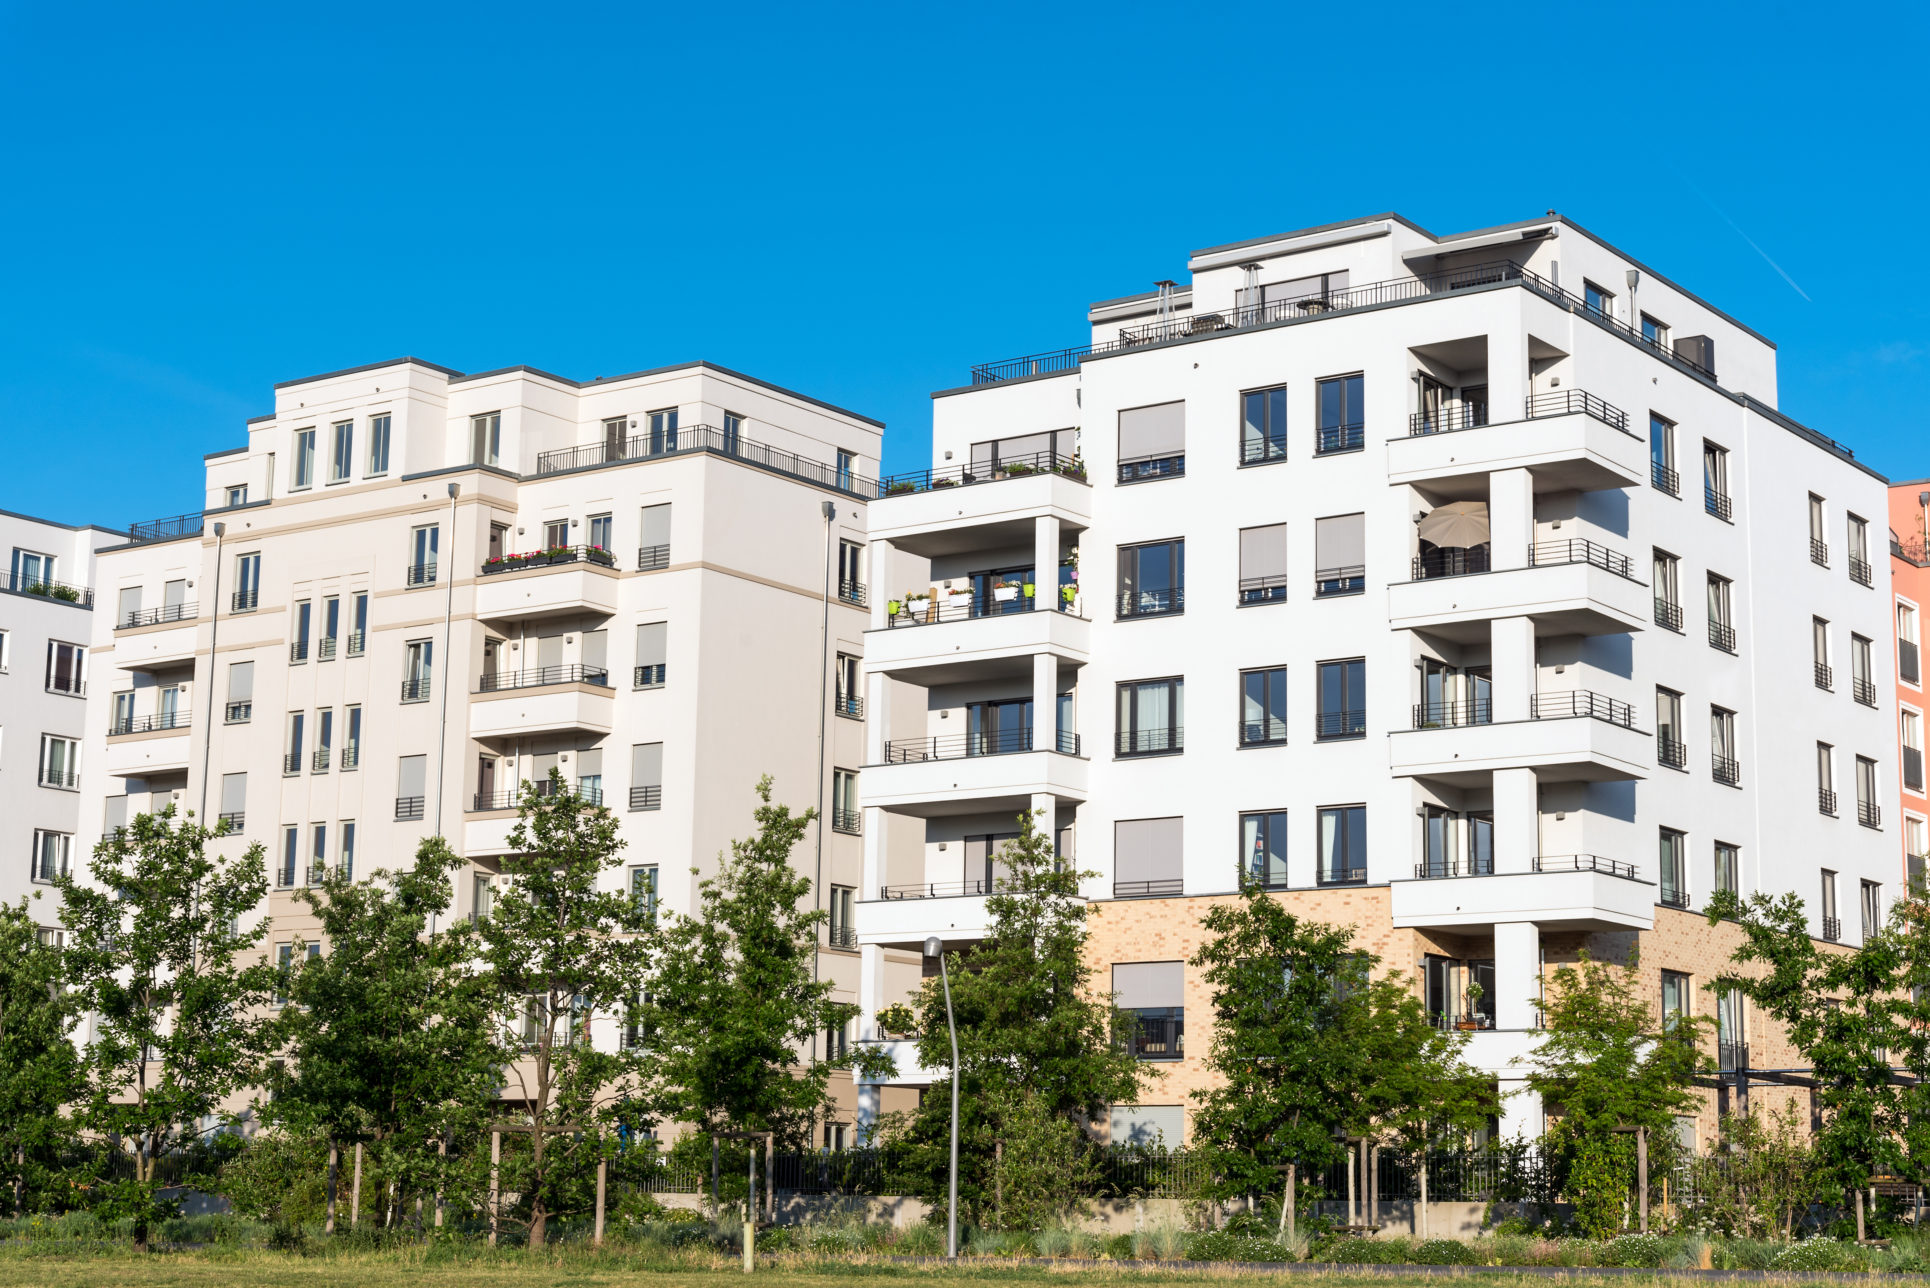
[
  {"x": 1642, "y": 1172},
  {"x": 602, "y": 1174},
  {"x": 355, "y": 1190},
  {"x": 334, "y": 1173},
  {"x": 495, "y": 1196},
  {"x": 442, "y": 1151},
  {"x": 1423, "y": 1220}
]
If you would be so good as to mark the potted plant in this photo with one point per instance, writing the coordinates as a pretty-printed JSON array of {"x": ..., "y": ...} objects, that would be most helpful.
[
  {"x": 1469, "y": 1020},
  {"x": 896, "y": 1020},
  {"x": 944, "y": 483},
  {"x": 1030, "y": 590},
  {"x": 1005, "y": 591},
  {"x": 900, "y": 487},
  {"x": 917, "y": 601},
  {"x": 892, "y": 607},
  {"x": 1017, "y": 469},
  {"x": 1068, "y": 595}
]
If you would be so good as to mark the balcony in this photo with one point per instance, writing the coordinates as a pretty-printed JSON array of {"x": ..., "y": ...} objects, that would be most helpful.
[
  {"x": 551, "y": 699},
  {"x": 155, "y": 744},
  {"x": 1568, "y": 891},
  {"x": 1869, "y": 814},
  {"x": 1819, "y": 552},
  {"x": 1441, "y": 868},
  {"x": 848, "y": 821},
  {"x": 176, "y": 719},
  {"x": 1824, "y": 676},
  {"x": 57, "y": 592},
  {"x": 649, "y": 676},
  {"x": 653, "y": 558},
  {"x": 1725, "y": 770},
  {"x": 567, "y": 579},
  {"x": 1716, "y": 503},
  {"x": 969, "y": 636},
  {"x": 1671, "y": 752},
  {"x": 1861, "y": 572},
  {"x": 1664, "y": 479},
  {"x": 416, "y": 690},
  {"x": 970, "y": 773},
  {"x": 1574, "y": 587},
  {"x": 647, "y": 796},
  {"x": 1864, "y": 691},
  {"x": 904, "y": 915},
  {"x": 588, "y": 789},
  {"x": 1826, "y": 801},
  {"x": 421, "y": 574},
  {"x": 1569, "y": 737},
  {"x": 158, "y": 646},
  {"x": 1722, "y": 636},
  {"x": 848, "y": 705},
  {"x": 690, "y": 440},
  {"x": 244, "y": 601},
  {"x": 1572, "y": 440},
  {"x": 1003, "y": 742},
  {"x": 166, "y": 613},
  {"x": 408, "y": 809},
  {"x": 538, "y": 677},
  {"x": 851, "y": 592}
]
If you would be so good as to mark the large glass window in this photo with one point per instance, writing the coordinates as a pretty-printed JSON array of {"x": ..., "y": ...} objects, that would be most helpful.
[
  {"x": 1263, "y": 425},
  {"x": 66, "y": 668},
  {"x": 378, "y": 445},
  {"x": 486, "y": 438},
  {"x": 1343, "y": 700},
  {"x": 304, "y": 463},
  {"x": 1263, "y": 848},
  {"x": 1152, "y": 579},
  {"x": 1670, "y": 867},
  {"x": 1263, "y": 707},
  {"x": 341, "y": 460},
  {"x": 1343, "y": 844},
  {"x": 1152, "y": 717},
  {"x": 1341, "y": 408}
]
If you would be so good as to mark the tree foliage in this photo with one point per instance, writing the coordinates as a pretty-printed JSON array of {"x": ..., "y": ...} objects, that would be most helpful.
[{"x": 39, "y": 1067}]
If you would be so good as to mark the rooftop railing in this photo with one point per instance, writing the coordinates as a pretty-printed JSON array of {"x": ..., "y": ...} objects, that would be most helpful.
[
  {"x": 178, "y": 525},
  {"x": 1010, "y": 467},
  {"x": 687, "y": 440}
]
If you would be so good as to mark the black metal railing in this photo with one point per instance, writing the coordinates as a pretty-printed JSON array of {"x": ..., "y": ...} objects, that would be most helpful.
[
  {"x": 1334, "y": 875},
  {"x": 1350, "y": 722},
  {"x": 1731, "y": 1056},
  {"x": 852, "y": 592},
  {"x": 1671, "y": 751},
  {"x": 1148, "y": 889},
  {"x": 416, "y": 690},
  {"x": 1826, "y": 801},
  {"x": 1447, "y": 420},
  {"x": 648, "y": 676},
  {"x": 298, "y": 651},
  {"x": 1581, "y": 702},
  {"x": 1263, "y": 590},
  {"x": 1722, "y": 636},
  {"x": 1259, "y": 451},
  {"x": 1665, "y": 478},
  {"x": 233, "y": 819},
  {"x": 1584, "y": 863},
  {"x": 408, "y": 808},
  {"x": 1434, "y": 869},
  {"x": 351, "y": 757},
  {"x": 422, "y": 574},
  {"x": 176, "y": 719},
  {"x": 1819, "y": 552},
  {"x": 1869, "y": 813},
  {"x": 546, "y": 558},
  {"x": 63, "y": 778},
  {"x": 653, "y": 558},
  {"x": 849, "y": 705},
  {"x": 1152, "y": 603},
  {"x": 156, "y": 616},
  {"x": 1668, "y": 615},
  {"x": 688, "y": 439},
  {"x": 59, "y": 591},
  {"x": 937, "y": 889},
  {"x": 649, "y": 796},
  {"x": 1576, "y": 550},
  {"x": 318, "y": 760},
  {"x": 535, "y": 677},
  {"x": 1911, "y": 552},
  {"x": 1449, "y": 715},
  {"x": 1907, "y": 664},
  {"x": 1155, "y": 467},
  {"x": 1329, "y": 439},
  {"x": 1350, "y": 580},
  {"x": 589, "y": 790},
  {"x": 1716, "y": 503},
  {"x": 1150, "y": 742},
  {"x": 325, "y": 648},
  {"x": 1568, "y": 402},
  {"x": 841, "y": 937},
  {"x": 1451, "y": 561},
  {"x": 1673, "y": 897},
  {"x": 1860, "y": 571},
  {"x": 1271, "y": 732},
  {"x": 291, "y": 762},
  {"x": 1824, "y": 676},
  {"x": 1725, "y": 770},
  {"x": 1015, "y": 467},
  {"x": 240, "y": 712},
  {"x": 1832, "y": 929},
  {"x": 176, "y": 525},
  {"x": 965, "y": 606},
  {"x": 243, "y": 601},
  {"x": 998, "y": 742},
  {"x": 848, "y": 821}
]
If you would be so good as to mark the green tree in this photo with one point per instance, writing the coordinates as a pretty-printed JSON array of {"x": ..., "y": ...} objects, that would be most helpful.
[
  {"x": 157, "y": 951},
  {"x": 1038, "y": 1041},
  {"x": 387, "y": 1037},
  {"x": 39, "y": 1066},
  {"x": 1840, "y": 1011},
  {"x": 1607, "y": 1064},
  {"x": 1907, "y": 1016},
  {"x": 558, "y": 949},
  {"x": 739, "y": 1017},
  {"x": 1760, "y": 1178}
]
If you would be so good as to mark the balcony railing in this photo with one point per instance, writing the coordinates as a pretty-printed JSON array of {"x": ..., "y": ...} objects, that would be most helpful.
[
  {"x": 1581, "y": 702},
  {"x": 536, "y": 677},
  {"x": 1863, "y": 691},
  {"x": 1159, "y": 1033},
  {"x": 408, "y": 808},
  {"x": 178, "y": 525},
  {"x": 1451, "y": 561},
  {"x": 1451, "y": 715},
  {"x": 1716, "y": 503},
  {"x": 649, "y": 796},
  {"x": 848, "y": 821},
  {"x": 1150, "y": 742},
  {"x": 848, "y": 705},
  {"x": 590, "y": 790},
  {"x": 1722, "y": 636},
  {"x": 176, "y": 719},
  {"x": 1665, "y": 478},
  {"x": 1671, "y": 752},
  {"x": 1152, "y": 467},
  {"x": 1350, "y": 722},
  {"x": 653, "y": 558},
  {"x": 851, "y": 592},
  {"x": 66, "y": 780},
  {"x": 244, "y": 601},
  {"x": 1911, "y": 552},
  {"x": 1148, "y": 889},
  {"x": 688, "y": 439},
  {"x": 356, "y": 642},
  {"x": 938, "y": 889},
  {"x": 291, "y": 762},
  {"x": 1725, "y": 770},
  {"x": 1860, "y": 571},
  {"x": 1263, "y": 590},
  {"x": 1447, "y": 421},
  {"x": 841, "y": 937},
  {"x": 1907, "y": 661},
  {"x": 1270, "y": 732},
  {"x": 1339, "y": 581},
  {"x": 239, "y": 712},
  {"x": 325, "y": 648},
  {"x": 351, "y": 757},
  {"x": 156, "y": 616},
  {"x": 1819, "y": 552},
  {"x": 969, "y": 606},
  {"x": 1330, "y": 439},
  {"x": 546, "y": 558},
  {"x": 318, "y": 761},
  {"x": 1569, "y": 402},
  {"x": 648, "y": 676},
  {"x": 422, "y": 574},
  {"x": 1584, "y": 863},
  {"x": 1260, "y": 451},
  {"x": 234, "y": 820},
  {"x": 1825, "y": 677},
  {"x": 298, "y": 651},
  {"x": 1015, "y": 467},
  {"x": 1826, "y": 801},
  {"x": 1673, "y": 896},
  {"x": 1832, "y": 929},
  {"x": 1000, "y": 742},
  {"x": 416, "y": 690},
  {"x": 1869, "y": 814},
  {"x": 59, "y": 591},
  {"x": 1668, "y": 615},
  {"x": 1731, "y": 1056},
  {"x": 1338, "y": 875},
  {"x": 1152, "y": 603},
  {"x": 1434, "y": 869},
  {"x": 1580, "y": 550}
]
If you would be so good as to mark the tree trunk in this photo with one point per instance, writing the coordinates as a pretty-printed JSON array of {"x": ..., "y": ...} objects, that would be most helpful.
[
  {"x": 495, "y": 1194},
  {"x": 1859, "y": 1214},
  {"x": 355, "y": 1190},
  {"x": 1642, "y": 1172},
  {"x": 1286, "y": 1206},
  {"x": 538, "y": 1210},
  {"x": 334, "y": 1174}
]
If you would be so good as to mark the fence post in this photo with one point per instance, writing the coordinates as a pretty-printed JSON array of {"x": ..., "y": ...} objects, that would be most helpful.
[
  {"x": 442, "y": 1152},
  {"x": 355, "y": 1190},
  {"x": 334, "y": 1172},
  {"x": 1373, "y": 1183},
  {"x": 770, "y": 1180},
  {"x": 1642, "y": 1172},
  {"x": 495, "y": 1196},
  {"x": 602, "y": 1174},
  {"x": 1423, "y": 1218}
]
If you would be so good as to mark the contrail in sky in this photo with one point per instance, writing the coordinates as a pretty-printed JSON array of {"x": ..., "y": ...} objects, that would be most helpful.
[{"x": 1752, "y": 243}]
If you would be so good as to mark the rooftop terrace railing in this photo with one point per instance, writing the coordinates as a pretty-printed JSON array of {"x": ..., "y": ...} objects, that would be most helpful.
[
  {"x": 177, "y": 525},
  {"x": 687, "y": 440}
]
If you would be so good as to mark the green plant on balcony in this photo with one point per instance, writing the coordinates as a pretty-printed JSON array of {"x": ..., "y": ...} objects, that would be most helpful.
[
  {"x": 896, "y": 1020},
  {"x": 900, "y": 487},
  {"x": 1018, "y": 469},
  {"x": 944, "y": 482}
]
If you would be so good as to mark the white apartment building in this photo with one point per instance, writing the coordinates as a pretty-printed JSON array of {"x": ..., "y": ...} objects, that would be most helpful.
[
  {"x": 1467, "y": 590},
  {"x": 46, "y": 625},
  {"x": 413, "y": 589}
]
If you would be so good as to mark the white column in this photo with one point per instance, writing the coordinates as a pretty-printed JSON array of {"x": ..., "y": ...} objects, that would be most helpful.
[
  {"x": 1045, "y": 701},
  {"x": 1517, "y": 820},
  {"x": 877, "y": 717},
  {"x": 1508, "y": 369},
  {"x": 1517, "y": 974},
  {"x": 1511, "y": 517},
  {"x": 1512, "y": 666},
  {"x": 878, "y": 570},
  {"x": 1045, "y": 562},
  {"x": 1045, "y": 813},
  {"x": 875, "y": 872}
]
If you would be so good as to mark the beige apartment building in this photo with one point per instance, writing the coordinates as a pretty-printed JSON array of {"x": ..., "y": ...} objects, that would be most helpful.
[{"x": 411, "y": 589}]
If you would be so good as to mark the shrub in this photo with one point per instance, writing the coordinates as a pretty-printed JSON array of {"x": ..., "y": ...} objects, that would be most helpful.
[
  {"x": 1355, "y": 1251},
  {"x": 1445, "y": 1252},
  {"x": 1821, "y": 1254},
  {"x": 1641, "y": 1250},
  {"x": 1223, "y": 1245}
]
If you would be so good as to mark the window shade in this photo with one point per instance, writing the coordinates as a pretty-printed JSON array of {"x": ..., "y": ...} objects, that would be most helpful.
[
  {"x": 589, "y": 763},
  {"x": 411, "y": 773},
  {"x": 241, "y": 681},
  {"x": 117, "y": 812},
  {"x": 174, "y": 593},
  {"x": 596, "y": 648},
  {"x": 1162, "y": 1125},
  {"x": 656, "y": 525},
  {"x": 1148, "y": 432},
  {"x": 1147, "y": 849},
  {"x": 646, "y": 765},
  {"x": 549, "y": 650},
  {"x": 1263, "y": 551},
  {"x": 653, "y": 643},
  {"x": 1146, "y": 984},
  {"x": 130, "y": 602},
  {"x": 1340, "y": 541},
  {"x": 234, "y": 793}
]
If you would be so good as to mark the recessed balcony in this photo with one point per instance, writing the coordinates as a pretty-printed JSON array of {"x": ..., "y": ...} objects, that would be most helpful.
[
  {"x": 1572, "y": 587},
  {"x": 971, "y": 636},
  {"x": 1569, "y": 891},
  {"x": 933, "y": 513},
  {"x": 157, "y": 744},
  {"x": 1569, "y": 737},
  {"x": 976, "y": 773},
  {"x": 558, "y": 699},
  {"x": 1572, "y": 440},
  {"x": 545, "y": 583}
]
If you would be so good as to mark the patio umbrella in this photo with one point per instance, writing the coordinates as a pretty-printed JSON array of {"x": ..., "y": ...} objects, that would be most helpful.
[{"x": 1459, "y": 524}]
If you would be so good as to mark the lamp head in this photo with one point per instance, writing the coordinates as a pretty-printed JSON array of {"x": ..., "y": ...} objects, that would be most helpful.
[
  {"x": 830, "y": 511},
  {"x": 934, "y": 947},
  {"x": 220, "y": 529},
  {"x": 455, "y": 490}
]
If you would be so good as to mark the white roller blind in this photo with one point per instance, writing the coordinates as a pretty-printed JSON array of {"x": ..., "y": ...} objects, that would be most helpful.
[
  {"x": 1147, "y": 849},
  {"x": 1147, "y": 432},
  {"x": 411, "y": 773},
  {"x": 1340, "y": 541},
  {"x": 540, "y": 766},
  {"x": 656, "y": 525},
  {"x": 549, "y": 650},
  {"x": 174, "y": 593},
  {"x": 646, "y": 765},
  {"x": 130, "y": 602},
  {"x": 1263, "y": 551},
  {"x": 241, "y": 681},
  {"x": 1143, "y": 984},
  {"x": 596, "y": 649},
  {"x": 116, "y": 812},
  {"x": 234, "y": 793},
  {"x": 653, "y": 643},
  {"x": 589, "y": 764}
]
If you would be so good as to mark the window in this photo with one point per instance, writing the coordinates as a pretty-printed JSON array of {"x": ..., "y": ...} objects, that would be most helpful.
[
  {"x": 59, "y": 762},
  {"x": 324, "y": 739},
  {"x": 1868, "y": 812},
  {"x": 378, "y": 445},
  {"x": 358, "y": 636},
  {"x": 1148, "y": 857},
  {"x": 1832, "y": 927},
  {"x": 1819, "y": 651},
  {"x": 654, "y": 552},
  {"x": 1152, "y": 442},
  {"x": 247, "y": 593},
  {"x": 1152, "y": 717},
  {"x": 643, "y": 889},
  {"x": 1728, "y": 869},
  {"x": 1662, "y": 455},
  {"x": 1722, "y": 627},
  {"x": 847, "y": 464},
  {"x": 1154, "y": 994},
  {"x": 653, "y": 642},
  {"x": 1732, "y": 1048},
  {"x": 1668, "y": 591},
  {"x": 646, "y": 776},
  {"x": 1825, "y": 778},
  {"x": 123, "y": 717},
  {"x": 1860, "y": 571},
  {"x": 31, "y": 570},
  {"x": 1263, "y": 425},
  {"x": 844, "y": 932},
  {"x": 341, "y": 461},
  {"x": 1152, "y": 579},
  {"x": 6, "y": 657},
  {"x": 1670, "y": 748},
  {"x": 241, "y": 692},
  {"x": 1677, "y": 1001},
  {"x": 129, "y": 611},
  {"x": 1655, "y": 333},
  {"x": 234, "y": 801},
  {"x": 66, "y": 668},
  {"x": 1715, "y": 480},
  {"x": 1263, "y": 707},
  {"x": 1341, "y": 418},
  {"x": 1906, "y": 644},
  {"x": 317, "y": 854},
  {"x": 304, "y": 463},
  {"x": 1263, "y": 849},
  {"x": 850, "y": 573},
  {"x": 53, "y": 854},
  {"x": 1870, "y": 904},
  {"x": 733, "y": 432},
  {"x": 1912, "y": 743},
  {"x": 411, "y": 779},
  {"x": 845, "y": 815},
  {"x": 331, "y": 627},
  {"x": 615, "y": 437},
  {"x": 351, "y": 738},
  {"x": 602, "y": 531},
  {"x": 1722, "y": 742},
  {"x": 663, "y": 431},
  {"x": 1862, "y": 686},
  {"x": 291, "y": 751},
  {"x": 291, "y": 848},
  {"x": 1597, "y": 301},
  {"x": 1670, "y": 865},
  {"x": 417, "y": 666},
  {"x": 486, "y": 438},
  {"x": 1263, "y": 565},
  {"x": 423, "y": 542},
  {"x": 1343, "y": 845},
  {"x": 1340, "y": 555},
  {"x": 1343, "y": 700},
  {"x": 1818, "y": 542},
  {"x": 298, "y": 646}
]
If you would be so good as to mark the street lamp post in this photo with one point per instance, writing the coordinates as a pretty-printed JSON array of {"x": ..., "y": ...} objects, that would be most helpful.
[{"x": 935, "y": 947}]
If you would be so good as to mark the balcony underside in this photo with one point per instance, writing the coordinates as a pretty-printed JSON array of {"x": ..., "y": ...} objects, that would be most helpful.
[
  {"x": 136, "y": 755},
  {"x": 1560, "y": 750},
  {"x": 550, "y": 708},
  {"x": 984, "y": 516},
  {"x": 976, "y": 784},
  {"x": 1561, "y": 599},
  {"x": 977, "y": 649},
  {"x": 156, "y": 647},
  {"x": 907, "y": 923},
  {"x": 550, "y": 591},
  {"x": 1566, "y": 453},
  {"x": 1577, "y": 900}
]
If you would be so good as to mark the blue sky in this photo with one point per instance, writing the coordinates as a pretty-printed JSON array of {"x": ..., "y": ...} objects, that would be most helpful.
[{"x": 862, "y": 202}]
